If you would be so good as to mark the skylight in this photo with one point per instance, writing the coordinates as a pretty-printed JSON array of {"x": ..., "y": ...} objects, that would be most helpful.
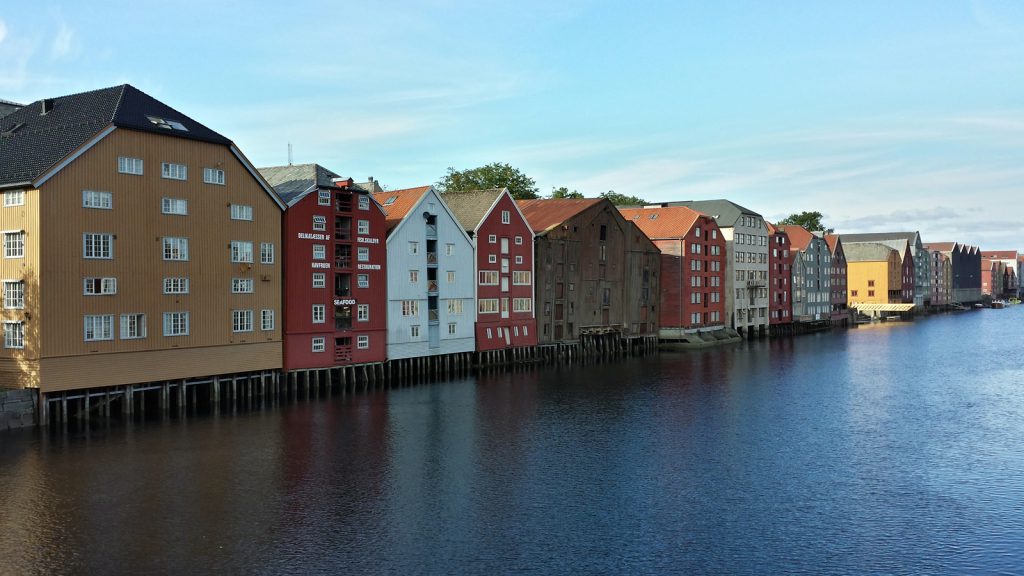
[
  {"x": 390, "y": 201},
  {"x": 167, "y": 124}
]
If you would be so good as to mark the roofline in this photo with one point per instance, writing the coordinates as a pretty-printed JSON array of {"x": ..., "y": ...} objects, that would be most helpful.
[
  {"x": 259, "y": 178},
  {"x": 504, "y": 192},
  {"x": 14, "y": 185},
  {"x": 53, "y": 170},
  {"x": 394, "y": 231}
]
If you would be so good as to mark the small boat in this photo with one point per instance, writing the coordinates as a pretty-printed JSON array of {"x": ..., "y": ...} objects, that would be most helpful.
[{"x": 998, "y": 304}]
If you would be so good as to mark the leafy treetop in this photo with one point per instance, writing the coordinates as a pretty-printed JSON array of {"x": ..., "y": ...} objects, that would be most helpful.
[
  {"x": 496, "y": 175},
  {"x": 811, "y": 221},
  {"x": 622, "y": 199},
  {"x": 564, "y": 192}
]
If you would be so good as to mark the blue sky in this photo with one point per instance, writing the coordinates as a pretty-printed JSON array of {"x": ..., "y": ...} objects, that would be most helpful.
[{"x": 882, "y": 115}]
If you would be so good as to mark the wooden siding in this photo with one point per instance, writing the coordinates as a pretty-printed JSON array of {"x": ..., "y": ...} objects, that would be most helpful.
[
  {"x": 139, "y": 226},
  {"x": 13, "y": 360},
  {"x": 74, "y": 372}
]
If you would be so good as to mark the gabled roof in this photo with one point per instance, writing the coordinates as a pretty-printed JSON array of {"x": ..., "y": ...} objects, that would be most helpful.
[
  {"x": 543, "y": 215},
  {"x": 471, "y": 206},
  {"x": 32, "y": 142},
  {"x": 940, "y": 246},
  {"x": 867, "y": 252},
  {"x": 799, "y": 237},
  {"x": 833, "y": 242},
  {"x": 888, "y": 238},
  {"x": 658, "y": 223},
  {"x": 397, "y": 203},
  {"x": 725, "y": 212},
  {"x": 293, "y": 182}
]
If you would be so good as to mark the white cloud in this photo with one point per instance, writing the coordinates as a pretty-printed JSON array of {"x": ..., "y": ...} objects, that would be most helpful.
[
  {"x": 63, "y": 44},
  {"x": 3, "y": 30}
]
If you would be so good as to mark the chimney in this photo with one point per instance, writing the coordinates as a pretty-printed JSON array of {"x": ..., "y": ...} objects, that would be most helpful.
[{"x": 47, "y": 105}]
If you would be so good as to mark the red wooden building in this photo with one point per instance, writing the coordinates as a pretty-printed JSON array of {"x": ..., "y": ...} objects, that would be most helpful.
[
  {"x": 780, "y": 275},
  {"x": 335, "y": 290},
  {"x": 840, "y": 310},
  {"x": 503, "y": 248},
  {"x": 693, "y": 268}
]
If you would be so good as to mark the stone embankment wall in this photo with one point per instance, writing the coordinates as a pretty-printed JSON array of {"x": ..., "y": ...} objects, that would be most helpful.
[{"x": 17, "y": 408}]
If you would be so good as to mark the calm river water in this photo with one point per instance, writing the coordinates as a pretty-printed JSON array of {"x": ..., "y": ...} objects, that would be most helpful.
[{"x": 886, "y": 449}]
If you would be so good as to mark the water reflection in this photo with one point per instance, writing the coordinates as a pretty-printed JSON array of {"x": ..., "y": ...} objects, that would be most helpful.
[{"x": 885, "y": 449}]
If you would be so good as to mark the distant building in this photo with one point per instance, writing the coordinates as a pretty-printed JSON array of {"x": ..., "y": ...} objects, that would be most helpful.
[
  {"x": 942, "y": 279},
  {"x": 6, "y": 108},
  {"x": 597, "y": 273},
  {"x": 693, "y": 268},
  {"x": 993, "y": 277},
  {"x": 876, "y": 277},
  {"x": 780, "y": 278},
  {"x": 335, "y": 281},
  {"x": 431, "y": 286},
  {"x": 139, "y": 246},
  {"x": 965, "y": 267},
  {"x": 503, "y": 250},
  {"x": 746, "y": 236},
  {"x": 921, "y": 291},
  {"x": 840, "y": 310},
  {"x": 1010, "y": 260},
  {"x": 812, "y": 275}
]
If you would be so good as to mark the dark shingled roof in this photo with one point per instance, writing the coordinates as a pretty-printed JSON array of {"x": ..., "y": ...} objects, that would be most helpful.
[
  {"x": 867, "y": 252},
  {"x": 293, "y": 181},
  {"x": 471, "y": 206},
  {"x": 31, "y": 142},
  {"x": 725, "y": 212}
]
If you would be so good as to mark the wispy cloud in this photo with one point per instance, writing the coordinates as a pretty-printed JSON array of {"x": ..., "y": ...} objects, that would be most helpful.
[
  {"x": 63, "y": 43},
  {"x": 3, "y": 30}
]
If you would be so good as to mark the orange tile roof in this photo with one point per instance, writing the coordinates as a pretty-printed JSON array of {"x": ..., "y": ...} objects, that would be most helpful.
[
  {"x": 771, "y": 227},
  {"x": 662, "y": 222},
  {"x": 832, "y": 240},
  {"x": 544, "y": 214},
  {"x": 799, "y": 237},
  {"x": 403, "y": 201}
]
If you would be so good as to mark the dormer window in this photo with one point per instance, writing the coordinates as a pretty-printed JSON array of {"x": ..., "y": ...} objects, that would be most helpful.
[{"x": 167, "y": 124}]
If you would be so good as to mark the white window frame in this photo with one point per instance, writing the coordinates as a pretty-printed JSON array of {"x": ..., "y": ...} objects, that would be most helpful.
[
  {"x": 414, "y": 248},
  {"x": 362, "y": 227},
  {"x": 266, "y": 252},
  {"x": 176, "y": 285},
  {"x": 410, "y": 308},
  {"x": 318, "y": 344},
  {"x": 173, "y": 171},
  {"x": 319, "y": 280},
  {"x": 363, "y": 202},
  {"x": 323, "y": 198},
  {"x": 129, "y": 165},
  {"x": 488, "y": 278},
  {"x": 92, "y": 238},
  {"x": 176, "y": 324},
  {"x": 175, "y": 249},
  {"x": 319, "y": 314},
  {"x": 104, "y": 323},
  {"x": 522, "y": 278},
  {"x": 506, "y": 217},
  {"x": 213, "y": 176},
  {"x": 14, "y": 198},
  {"x": 14, "y": 294},
  {"x": 132, "y": 326},
  {"x": 107, "y": 286},
  {"x": 241, "y": 212},
  {"x": 267, "y": 319},
  {"x": 362, "y": 313},
  {"x": 452, "y": 328},
  {"x": 319, "y": 223},
  {"x": 241, "y": 321},
  {"x": 14, "y": 335},
  {"x": 449, "y": 249},
  {"x": 362, "y": 280},
  {"x": 97, "y": 199},
  {"x": 242, "y": 286},
  {"x": 414, "y": 331},
  {"x": 492, "y": 239},
  {"x": 362, "y": 340},
  {"x": 362, "y": 254},
  {"x": 241, "y": 251},
  {"x": 455, "y": 307},
  {"x": 174, "y": 206},
  {"x": 522, "y": 304},
  {"x": 487, "y": 306},
  {"x": 319, "y": 252}
]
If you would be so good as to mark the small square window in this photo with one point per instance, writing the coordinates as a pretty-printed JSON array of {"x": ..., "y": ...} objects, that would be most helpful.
[
  {"x": 324, "y": 198},
  {"x": 319, "y": 344},
  {"x": 319, "y": 223}
]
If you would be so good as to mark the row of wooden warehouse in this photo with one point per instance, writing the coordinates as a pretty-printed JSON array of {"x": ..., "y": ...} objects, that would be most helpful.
[{"x": 142, "y": 250}]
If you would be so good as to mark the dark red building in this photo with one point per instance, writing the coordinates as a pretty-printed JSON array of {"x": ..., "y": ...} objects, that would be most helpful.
[
  {"x": 780, "y": 278},
  {"x": 840, "y": 310},
  {"x": 335, "y": 289},
  {"x": 693, "y": 268},
  {"x": 503, "y": 247}
]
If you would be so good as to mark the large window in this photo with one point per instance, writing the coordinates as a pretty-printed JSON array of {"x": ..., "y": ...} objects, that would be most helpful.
[
  {"x": 522, "y": 304},
  {"x": 94, "y": 286},
  {"x": 363, "y": 313},
  {"x": 14, "y": 294},
  {"x": 96, "y": 199},
  {"x": 488, "y": 306},
  {"x": 241, "y": 251},
  {"x": 133, "y": 326},
  {"x": 319, "y": 314},
  {"x": 97, "y": 246},
  {"x": 266, "y": 319},
  {"x": 173, "y": 171},
  {"x": 455, "y": 307},
  {"x": 410, "y": 308},
  {"x": 126, "y": 165},
  {"x": 14, "y": 198},
  {"x": 175, "y": 248},
  {"x": 488, "y": 277},
  {"x": 266, "y": 253},
  {"x": 99, "y": 327},
  {"x": 175, "y": 323},
  {"x": 520, "y": 278},
  {"x": 14, "y": 244},
  {"x": 14, "y": 335},
  {"x": 241, "y": 320}
]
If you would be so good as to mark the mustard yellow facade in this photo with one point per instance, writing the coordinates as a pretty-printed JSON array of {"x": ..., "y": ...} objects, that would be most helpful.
[
  {"x": 871, "y": 282},
  {"x": 232, "y": 307}
]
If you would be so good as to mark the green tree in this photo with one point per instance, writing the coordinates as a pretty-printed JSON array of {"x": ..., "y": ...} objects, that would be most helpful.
[
  {"x": 622, "y": 199},
  {"x": 811, "y": 221},
  {"x": 496, "y": 175},
  {"x": 564, "y": 192}
]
